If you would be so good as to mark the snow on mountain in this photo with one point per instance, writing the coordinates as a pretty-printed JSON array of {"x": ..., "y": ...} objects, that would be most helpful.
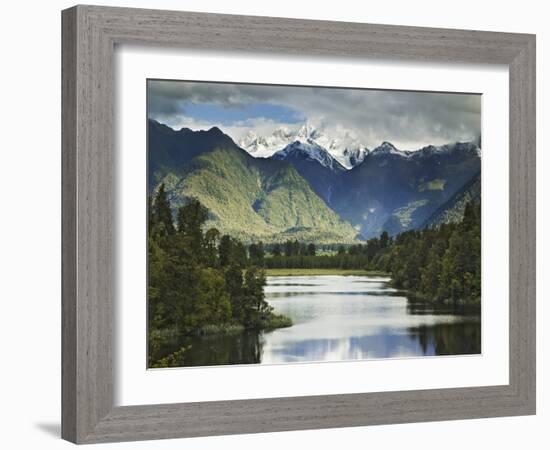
[
  {"x": 339, "y": 143},
  {"x": 387, "y": 148},
  {"x": 310, "y": 151},
  {"x": 308, "y": 131},
  {"x": 345, "y": 148},
  {"x": 355, "y": 156},
  {"x": 264, "y": 147},
  {"x": 464, "y": 147}
]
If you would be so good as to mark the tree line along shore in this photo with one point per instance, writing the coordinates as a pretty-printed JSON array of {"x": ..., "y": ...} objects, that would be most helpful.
[{"x": 204, "y": 282}]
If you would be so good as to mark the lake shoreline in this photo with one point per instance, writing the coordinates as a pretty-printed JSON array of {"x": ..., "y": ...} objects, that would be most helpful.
[
  {"x": 314, "y": 271},
  {"x": 414, "y": 297}
]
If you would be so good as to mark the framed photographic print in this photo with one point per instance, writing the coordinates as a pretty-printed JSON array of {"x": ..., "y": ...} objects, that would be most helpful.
[
  {"x": 264, "y": 230},
  {"x": 311, "y": 242}
]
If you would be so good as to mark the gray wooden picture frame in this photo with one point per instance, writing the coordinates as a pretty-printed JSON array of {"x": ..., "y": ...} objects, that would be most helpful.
[{"x": 90, "y": 34}]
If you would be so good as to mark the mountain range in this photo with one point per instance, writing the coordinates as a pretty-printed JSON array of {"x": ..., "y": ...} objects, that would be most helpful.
[
  {"x": 394, "y": 191},
  {"x": 346, "y": 148},
  {"x": 308, "y": 191},
  {"x": 248, "y": 198}
]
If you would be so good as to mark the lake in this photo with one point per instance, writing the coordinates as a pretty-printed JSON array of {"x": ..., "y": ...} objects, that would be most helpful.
[{"x": 340, "y": 318}]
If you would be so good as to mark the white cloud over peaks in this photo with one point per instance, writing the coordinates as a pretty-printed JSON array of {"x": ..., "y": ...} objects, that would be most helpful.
[{"x": 410, "y": 120}]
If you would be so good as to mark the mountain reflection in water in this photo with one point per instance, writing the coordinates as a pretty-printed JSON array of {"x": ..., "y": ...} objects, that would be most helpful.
[{"x": 339, "y": 318}]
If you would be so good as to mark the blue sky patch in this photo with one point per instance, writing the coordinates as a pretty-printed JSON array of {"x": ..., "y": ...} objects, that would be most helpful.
[{"x": 228, "y": 115}]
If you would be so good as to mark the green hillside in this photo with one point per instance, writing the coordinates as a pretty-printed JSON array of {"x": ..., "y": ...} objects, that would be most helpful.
[
  {"x": 256, "y": 199},
  {"x": 452, "y": 211}
]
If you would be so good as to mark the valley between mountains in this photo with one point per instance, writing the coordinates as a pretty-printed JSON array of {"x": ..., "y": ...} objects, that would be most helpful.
[{"x": 303, "y": 187}]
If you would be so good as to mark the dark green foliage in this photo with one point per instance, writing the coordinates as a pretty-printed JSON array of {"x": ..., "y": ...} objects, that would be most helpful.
[
  {"x": 174, "y": 359},
  {"x": 232, "y": 252},
  {"x": 255, "y": 306},
  {"x": 195, "y": 280},
  {"x": 441, "y": 264},
  {"x": 384, "y": 239},
  {"x": 234, "y": 283},
  {"x": 301, "y": 255},
  {"x": 191, "y": 217},
  {"x": 293, "y": 248},
  {"x": 225, "y": 250},
  {"x": 288, "y": 248},
  {"x": 276, "y": 251},
  {"x": 256, "y": 253},
  {"x": 171, "y": 150},
  {"x": 339, "y": 261},
  {"x": 161, "y": 213},
  {"x": 248, "y": 198},
  {"x": 210, "y": 242}
]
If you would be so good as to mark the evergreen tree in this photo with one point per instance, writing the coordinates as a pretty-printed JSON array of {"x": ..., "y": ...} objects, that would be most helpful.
[
  {"x": 234, "y": 283},
  {"x": 255, "y": 307},
  {"x": 256, "y": 253},
  {"x": 288, "y": 249},
  {"x": 191, "y": 218},
  {"x": 295, "y": 248},
  {"x": 211, "y": 241},
  {"x": 195, "y": 279},
  {"x": 161, "y": 212},
  {"x": 239, "y": 254},
  {"x": 225, "y": 250},
  {"x": 277, "y": 250},
  {"x": 384, "y": 239}
]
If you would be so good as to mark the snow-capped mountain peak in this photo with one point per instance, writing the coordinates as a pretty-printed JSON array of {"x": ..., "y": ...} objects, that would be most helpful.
[
  {"x": 456, "y": 147},
  {"x": 344, "y": 148},
  {"x": 307, "y": 131},
  {"x": 340, "y": 144},
  {"x": 263, "y": 147},
  {"x": 309, "y": 151},
  {"x": 387, "y": 148},
  {"x": 282, "y": 133}
]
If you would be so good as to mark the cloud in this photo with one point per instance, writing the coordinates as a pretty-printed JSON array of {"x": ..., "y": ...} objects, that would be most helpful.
[
  {"x": 408, "y": 119},
  {"x": 262, "y": 126}
]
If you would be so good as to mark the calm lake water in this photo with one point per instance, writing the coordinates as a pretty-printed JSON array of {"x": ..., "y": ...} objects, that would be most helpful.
[{"x": 342, "y": 318}]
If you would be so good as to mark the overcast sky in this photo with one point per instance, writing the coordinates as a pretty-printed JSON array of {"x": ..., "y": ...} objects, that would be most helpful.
[{"x": 409, "y": 120}]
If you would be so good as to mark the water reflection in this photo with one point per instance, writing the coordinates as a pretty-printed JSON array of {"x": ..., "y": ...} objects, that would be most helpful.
[
  {"x": 340, "y": 318},
  {"x": 213, "y": 350},
  {"x": 451, "y": 339}
]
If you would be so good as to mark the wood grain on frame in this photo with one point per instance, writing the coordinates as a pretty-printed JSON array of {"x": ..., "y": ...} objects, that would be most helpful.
[{"x": 89, "y": 37}]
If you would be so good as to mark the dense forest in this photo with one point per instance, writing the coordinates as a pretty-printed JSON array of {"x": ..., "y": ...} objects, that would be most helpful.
[
  {"x": 440, "y": 264},
  {"x": 200, "y": 282},
  {"x": 203, "y": 283}
]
